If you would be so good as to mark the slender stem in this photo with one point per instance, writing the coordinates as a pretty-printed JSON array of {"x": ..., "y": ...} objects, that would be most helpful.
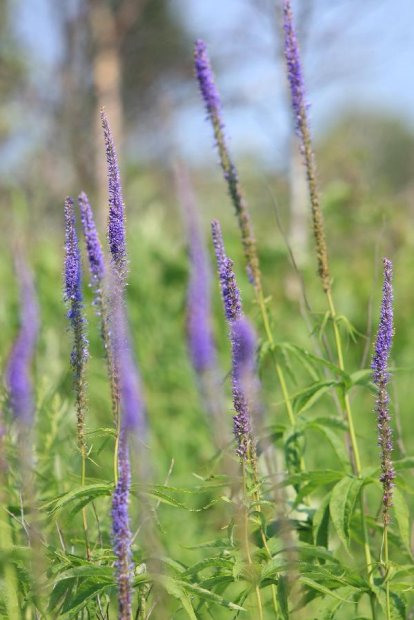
[
  {"x": 84, "y": 515},
  {"x": 356, "y": 465},
  {"x": 112, "y": 374},
  {"x": 246, "y": 539},
  {"x": 9, "y": 571},
  {"x": 387, "y": 568}
]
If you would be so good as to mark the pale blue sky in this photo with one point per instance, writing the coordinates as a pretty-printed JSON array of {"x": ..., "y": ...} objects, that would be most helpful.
[{"x": 359, "y": 53}]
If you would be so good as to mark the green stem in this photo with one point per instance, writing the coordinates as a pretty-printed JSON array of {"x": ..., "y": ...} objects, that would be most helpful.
[
  {"x": 84, "y": 515},
  {"x": 356, "y": 465},
  {"x": 9, "y": 571},
  {"x": 246, "y": 539},
  {"x": 387, "y": 568}
]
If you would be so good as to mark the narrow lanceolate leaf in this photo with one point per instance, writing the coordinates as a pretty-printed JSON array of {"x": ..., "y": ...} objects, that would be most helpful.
[
  {"x": 320, "y": 523},
  {"x": 90, "y": 490},
  {"x": 314, "y": 585},
  {"x": 402, "y": 517},
  {"x": 310, "y": 395},
  {"x": 342, "y": 505},
  {"x": 398, "y": 605},
  {"x": 336, "y": 443}
]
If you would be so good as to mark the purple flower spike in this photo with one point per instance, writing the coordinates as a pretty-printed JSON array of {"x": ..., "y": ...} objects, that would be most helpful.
[
  {"x": 18, "y": 368},
  {"x": 243, "y": 379},
  {"x": 206, "y": 82},
  {"x": 93, "y": 245},
  {"x": 243, "y": 347},
  {"x": 381, "y": 377},
  {"x": 199, "y": 330},
  {"x": 74, "y": 299},
  {"x": 229, "y": 290},
  {"x": 294, "y": 68},
  {"x": 121, "y": 532},
  {"x": 132, "y": 426},
  {"x": 116, "y": 222}
]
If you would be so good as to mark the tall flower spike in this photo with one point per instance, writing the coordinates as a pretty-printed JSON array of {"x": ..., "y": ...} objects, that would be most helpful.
[
  {"x": 243, "y": 345},
  {"x": 19, "y": 364},
  {"x": 74, "y": 300},
  {"x": 211, "y": 97},
  {"x": 93, "y": 245},
  {"x": 243, "y": 342},
  {"x": 300, "y": 108},
  {"x": 381, "y": 377},
  {"x": 229, "y": 290},
  {"x": 132, "y": 424},
  {"x": 116, "y": 221},
  {"x": 199, "y": 329}
]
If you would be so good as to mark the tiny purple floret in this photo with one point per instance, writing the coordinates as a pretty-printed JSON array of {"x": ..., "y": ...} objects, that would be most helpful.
[
  {"x": 18, "y": 378},
  {"x": 229, "y": 290},
  {"x": 116, "y": 221},
  {"x": 93, "y": 245},
  {"x": 294, "y": 67},
  {"x": 381, "y": 377},
  {"x": 205, "y": 77}
]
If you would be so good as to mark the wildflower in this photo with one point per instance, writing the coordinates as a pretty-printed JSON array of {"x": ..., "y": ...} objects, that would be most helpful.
[
  {"x": 132, "y": 424},
  {"x": 243, "y": 345},
  {"x": 116, "y": 221},
  {"x": 229, "y": 290},
  {"x": 18, "y": 367},
  {"x": 300, "y": 107},
  {"x": 211, "y": 99},
  {"x": 199, "y": 330},
  {"x": 243, "y": 342},
  {"x": 74, "y": 299},
  {"x": 381, "y": 377},
  {"x": 93, "y": 245}
]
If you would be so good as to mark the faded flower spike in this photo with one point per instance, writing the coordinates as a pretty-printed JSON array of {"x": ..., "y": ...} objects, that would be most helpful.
[
  {"x": 300, "y": 107},
  {"x": 381, "y": 377},
  {"x": 73, "y": 298},
  {"x": 18, "y": 367},
  {"x": 211, "y": 98},
  {"x": 199, "y": 330},
  {"x": 243, "y": 348},
  {"x": 243, "y": 342},
  {"x": 132, "y": 425},
  {"x": 116, "y": 221},
  {"x": 229, "y": 290},
  {"x": 93, "y": 245}
]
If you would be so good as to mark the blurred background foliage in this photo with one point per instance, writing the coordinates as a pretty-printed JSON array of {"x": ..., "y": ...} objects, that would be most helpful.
[{"x": 135, "y": 57}]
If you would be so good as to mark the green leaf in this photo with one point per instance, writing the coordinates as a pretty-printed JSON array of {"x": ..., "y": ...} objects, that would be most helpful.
[
  {"x": 329, "y": 606},
  {"x": 406, "y": 463},
  {"x": 320, "y": 523},
  {"x": 362, "y": 377},
  {"x": 171, "y": 501},
  {"x": 207, "y": 595},
  {"x": 282, "y": 597},
  {"x": 314, "y": 585},
  {"x": 91, "y": 490},
  {"x": 402, "y": 516},
  {"x": 86, "y": 591},
  {"x": 336, "y": 443},
  {"x": 342, "y": 505},
  {"x": 304, "y": 400},
  {"x": 397, "y": 604}
]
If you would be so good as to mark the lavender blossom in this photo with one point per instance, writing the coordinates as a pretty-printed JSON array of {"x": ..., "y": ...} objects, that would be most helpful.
[
  {"x": 93, "y": 245},
  {"x": 116, "y": 222},
  {"x": 206, "y": 82},
  {"x": 132, "y": 425},
  {"x": 74, "y": 299},
  {"x": 211, "y": 100},
  {"x": 300, "y": 107},
  {"x": 381, "y": 377},
  {"x": 121, "y": 532},
  {"x": 199, "y": 330},
  {"x": 18, "y": 367},
  {"x": 229, "y": 289},
  {"x": 243, "y": 372},
  {"x": 294, "y": 68},
  {"x": 243, "y": 345}
]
